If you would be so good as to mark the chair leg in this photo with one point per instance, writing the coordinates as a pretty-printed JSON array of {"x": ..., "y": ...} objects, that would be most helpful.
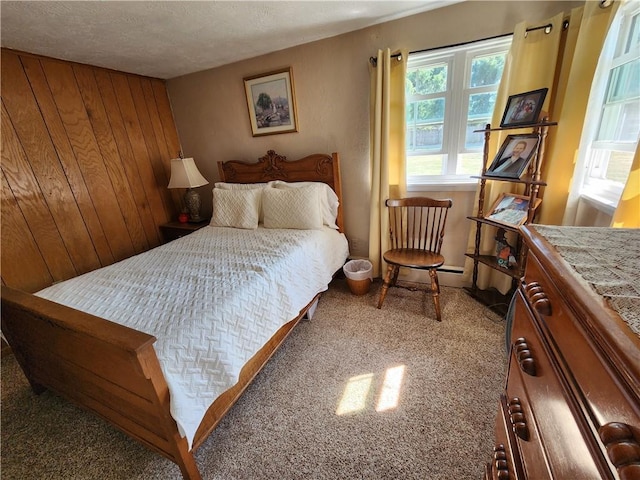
[
  {"x": 435, "y": 292},
  {"x": 385, "y": 285},
  {"x": 396, "y": 272}
]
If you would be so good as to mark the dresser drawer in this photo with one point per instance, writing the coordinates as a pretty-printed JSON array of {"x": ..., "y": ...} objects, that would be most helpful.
[
  {"x": 599, "y": 387},
  {"x": 550, "y": 443},
  {"x": 505, "y": 464},
  {"x": 519, "y": 419}
]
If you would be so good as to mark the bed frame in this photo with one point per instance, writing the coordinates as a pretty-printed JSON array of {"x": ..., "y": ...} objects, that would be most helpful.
[{"x": 112, "y": 370}]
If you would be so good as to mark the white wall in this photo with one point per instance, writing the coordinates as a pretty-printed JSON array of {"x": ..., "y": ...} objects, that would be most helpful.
[{"x": 331, "y": 79}]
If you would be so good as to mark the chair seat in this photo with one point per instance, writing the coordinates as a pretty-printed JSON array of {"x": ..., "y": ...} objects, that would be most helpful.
[{"x": 413, "y": 258}]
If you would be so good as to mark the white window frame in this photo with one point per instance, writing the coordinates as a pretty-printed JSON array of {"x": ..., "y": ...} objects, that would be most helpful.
[
  {"x": 600, "y": 192},
  {"x": 457, "y": 95}
]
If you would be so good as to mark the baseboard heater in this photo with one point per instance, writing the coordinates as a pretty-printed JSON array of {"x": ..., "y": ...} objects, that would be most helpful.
[{"x": 451, "y": 269}]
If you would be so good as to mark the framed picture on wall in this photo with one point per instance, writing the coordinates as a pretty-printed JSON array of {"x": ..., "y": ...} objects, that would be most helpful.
[
  {"x": 511, "y": 209},
  {"x": 514, "y": 156},
  {"x": 523, "y": 108},
  {"x": 271, "y": 101}
]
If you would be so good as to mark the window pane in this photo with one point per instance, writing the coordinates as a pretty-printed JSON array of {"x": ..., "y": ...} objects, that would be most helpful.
[
  {"x": 634, "y": 34},
  {"x": 449, "y": 93},
  {"x": 620, "y": 123},
  {"x": 625, "y": 82},
  {"x": 630, "y": 122},
  {"x": 430, "y": 110},
  {"x": 411, "y": 112},
  {"x": 609, "y": 152},
  {"x": 469, "y": 164},
  {"x": 611, "y": 165},
  {"x": 426, "y": 137},
  {"x": 425, "y": 165},
  {"x": 619, "y": 166},
  {"x": 487, "y": 70},
  {"x": 425, "y": 122},
  {"x": 423, "y": 81},
  {"x": 481, "y": 105},
  {"x": 410, "y": 138},
  {"x": 479, "y": 114},
  {"x": 475, "y": 140}
]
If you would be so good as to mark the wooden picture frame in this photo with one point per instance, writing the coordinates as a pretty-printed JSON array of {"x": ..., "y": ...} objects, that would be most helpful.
[
  {"x": 523, "y": 108},
  {"x": 505, "y": 164},
  {"x": 511, "y": 210},
  {"x": 271, "y": 102}
]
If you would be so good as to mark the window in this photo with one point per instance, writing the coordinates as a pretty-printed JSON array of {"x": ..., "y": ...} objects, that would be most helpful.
[
  {"x": 612, "y": 122},
  {"x": 450, "y": 93}
]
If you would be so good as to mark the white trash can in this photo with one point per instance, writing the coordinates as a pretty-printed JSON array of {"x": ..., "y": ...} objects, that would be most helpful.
[{"x": 359, "y": 275}]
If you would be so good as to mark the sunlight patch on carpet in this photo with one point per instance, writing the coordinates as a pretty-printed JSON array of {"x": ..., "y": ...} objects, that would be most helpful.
[
  {"x": 390, "y": 393},
  {"x": 358, "y": 389},
  {"x": 355, "y": 394}
]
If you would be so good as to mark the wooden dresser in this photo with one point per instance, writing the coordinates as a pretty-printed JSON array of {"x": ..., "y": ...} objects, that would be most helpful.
[{"x": 571, "y": 405}]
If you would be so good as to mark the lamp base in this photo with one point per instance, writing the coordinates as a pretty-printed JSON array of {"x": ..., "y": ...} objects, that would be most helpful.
[{"x": 192, "y": 201}]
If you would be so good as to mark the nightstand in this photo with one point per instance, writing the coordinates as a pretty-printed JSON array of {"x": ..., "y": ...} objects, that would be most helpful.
[{"x": 173, "y": 230}]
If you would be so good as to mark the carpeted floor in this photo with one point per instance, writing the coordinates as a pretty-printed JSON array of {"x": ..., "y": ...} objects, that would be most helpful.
[{"x": 355, "y": 393}]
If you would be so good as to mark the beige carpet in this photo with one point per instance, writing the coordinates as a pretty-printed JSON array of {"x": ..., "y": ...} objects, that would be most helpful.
[{"x": 355, "y": 393}]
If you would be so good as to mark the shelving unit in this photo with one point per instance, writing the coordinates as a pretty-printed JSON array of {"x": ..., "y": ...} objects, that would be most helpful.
[{"x": 532, "y": 182}]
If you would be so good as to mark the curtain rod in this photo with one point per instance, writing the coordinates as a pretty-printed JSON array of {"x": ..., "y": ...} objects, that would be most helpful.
[{"x": 547, "y": 29}]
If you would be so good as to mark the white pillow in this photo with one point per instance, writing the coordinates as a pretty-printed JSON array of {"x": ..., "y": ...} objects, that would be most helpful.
[
  {"x": 296, "y": 208},
  {"x": 236, "y": 208},
  {"x": 243, "y": 186},
  {"x": 328, "y": 199}
]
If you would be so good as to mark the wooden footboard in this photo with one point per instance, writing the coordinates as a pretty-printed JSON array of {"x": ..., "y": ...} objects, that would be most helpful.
[
  {"x": 104, "y": 367},
  {"x": 113, "y": 371}
]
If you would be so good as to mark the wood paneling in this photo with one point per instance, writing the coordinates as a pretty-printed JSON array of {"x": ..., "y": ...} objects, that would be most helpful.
[
  {"x": 67, "y": 159},
  {"x": 135, "y": 136},
  {"x": 85, "y": 166}
]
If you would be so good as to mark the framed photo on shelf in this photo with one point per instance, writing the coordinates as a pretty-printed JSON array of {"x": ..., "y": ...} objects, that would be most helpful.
[
  {"x": 511, "y": 209},
  {"x": 271, "y": 101},
  {"x": 523, "y": 108},
  {"x": 514, "y": 156}
]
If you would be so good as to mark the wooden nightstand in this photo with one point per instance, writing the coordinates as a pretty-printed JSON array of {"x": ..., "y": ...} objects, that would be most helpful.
[{"x": 173, "y": 230}]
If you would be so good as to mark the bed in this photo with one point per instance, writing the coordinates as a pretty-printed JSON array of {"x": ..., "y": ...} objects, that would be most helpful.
[{"x": 159, "y": 374}]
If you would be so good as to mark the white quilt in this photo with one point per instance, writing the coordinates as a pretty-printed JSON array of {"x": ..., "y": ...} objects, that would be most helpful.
[{"x": 212, "y": 299}]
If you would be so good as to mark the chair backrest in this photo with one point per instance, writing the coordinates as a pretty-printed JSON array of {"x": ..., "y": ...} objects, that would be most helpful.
[{"x": 417, "y": 222}]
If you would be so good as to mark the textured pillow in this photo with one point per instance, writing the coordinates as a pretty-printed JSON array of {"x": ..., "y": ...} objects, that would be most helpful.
[
  {"x": 328, "y": 199},
  {"x": 244, "y": 186},
  {"x": 236, "y": 208},
  {"x": 296, "y": 208}
]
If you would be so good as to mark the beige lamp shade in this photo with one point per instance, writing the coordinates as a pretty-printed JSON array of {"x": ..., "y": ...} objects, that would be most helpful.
[{"x": 185, "y": 174}]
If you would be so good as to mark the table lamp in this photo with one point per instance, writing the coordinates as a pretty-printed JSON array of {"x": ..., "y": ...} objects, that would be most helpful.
[{"x": 185, "y": 174}]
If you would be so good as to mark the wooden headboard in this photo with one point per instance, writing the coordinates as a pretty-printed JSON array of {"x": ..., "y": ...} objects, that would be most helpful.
[{"x": 318, "y": 167}]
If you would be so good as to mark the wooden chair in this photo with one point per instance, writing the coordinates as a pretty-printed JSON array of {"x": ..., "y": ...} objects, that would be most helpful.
[{"x": 416, "y": 227}]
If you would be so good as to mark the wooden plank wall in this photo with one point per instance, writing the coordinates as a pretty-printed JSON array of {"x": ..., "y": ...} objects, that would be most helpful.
[{"x": 85, "y": 166}]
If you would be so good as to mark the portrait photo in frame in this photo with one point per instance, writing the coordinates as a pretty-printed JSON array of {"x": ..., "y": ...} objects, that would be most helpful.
[
  {"x": 271, "y": 102},
  {"x": 511, "y": 209},
  {"x": 514, "y": 156},
  {"x": 523, "y": 108}
]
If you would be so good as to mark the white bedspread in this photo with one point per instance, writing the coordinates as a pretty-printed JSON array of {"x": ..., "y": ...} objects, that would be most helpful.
[{"x": 212, "y": 299}]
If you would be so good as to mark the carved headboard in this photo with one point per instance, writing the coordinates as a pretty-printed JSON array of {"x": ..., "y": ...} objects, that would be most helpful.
[{"x": 312, "y": 168}]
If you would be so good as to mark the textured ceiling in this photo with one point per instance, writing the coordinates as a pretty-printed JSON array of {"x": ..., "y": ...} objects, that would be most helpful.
[{"x": 165, "y": 39}]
